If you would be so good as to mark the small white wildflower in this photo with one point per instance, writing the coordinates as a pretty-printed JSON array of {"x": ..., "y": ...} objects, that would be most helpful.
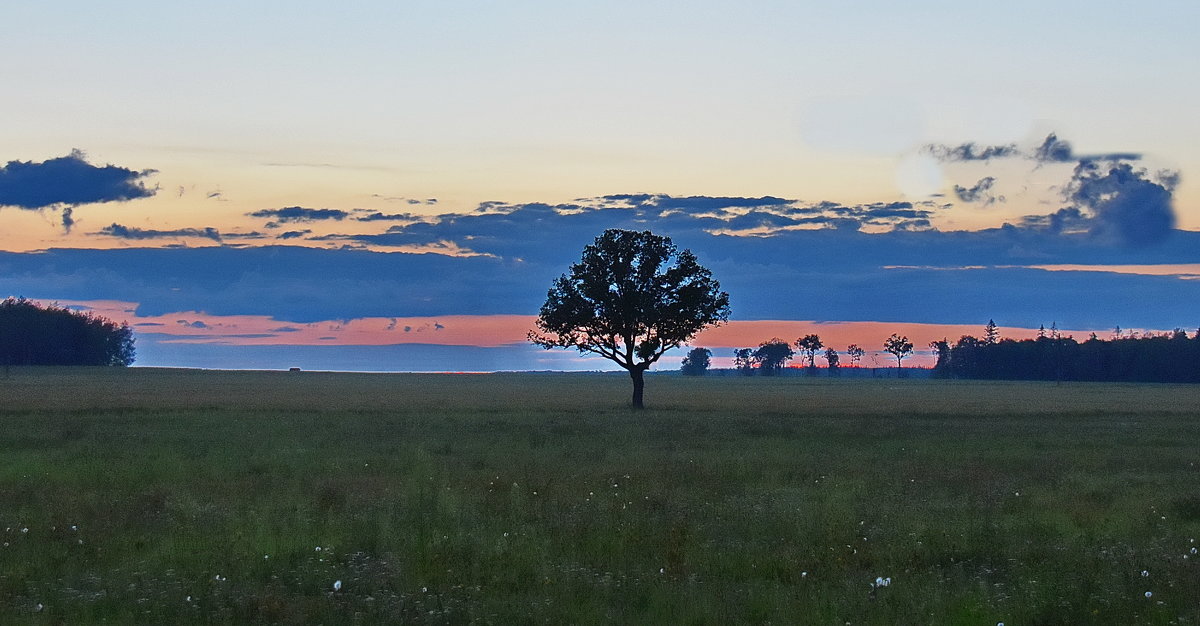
[
  {"x": 878, "y": 581},
  {"x": 1148, "y": 594},
  {"x": 24, "y": 530},
  {"x": 39, "y": 607},
  {"x": 803, "y": 574},
  {"x": 1193, "y": 550},
  {"x": 337, "y": 585},
  {"x": 317, "y": 549},
  {"x": 188, "y": 599},
  {"x": 1145, "y": 573},
  {"x": 266, "y": 556},
  {"x": 424, "y": 589},
  {"x": 74, "y": 527},
  {"x": 662, "y": 570}
]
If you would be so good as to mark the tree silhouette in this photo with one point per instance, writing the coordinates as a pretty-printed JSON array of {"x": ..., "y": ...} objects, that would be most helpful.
[
  {"x": 31, "y": 334},
  {"x": 856, "y": 354},
  {"x": 899, "y": 347},
  {"x": 632, "y": 297},
  {"x": 772, "y": 355},
  {"x": 991, "y": 334},
  {"x": 942, "y": 348},
  {"x": 743, "y": 361},
  {"x": 809, "y": 345},
  {"x": 832, "y": 360},
  {"x": 696, "y": 362}
]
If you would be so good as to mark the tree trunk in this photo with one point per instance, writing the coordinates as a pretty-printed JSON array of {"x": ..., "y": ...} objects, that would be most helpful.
[{"x": 639, "y": 384}]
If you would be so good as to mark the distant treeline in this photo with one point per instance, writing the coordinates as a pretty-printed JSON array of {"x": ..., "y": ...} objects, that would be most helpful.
[
  {"x": 1169, "y": 358},
  {"x": 31, "y": 334}
]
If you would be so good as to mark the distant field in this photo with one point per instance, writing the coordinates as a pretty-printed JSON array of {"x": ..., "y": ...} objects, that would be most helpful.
[{"x": 173, "y": 496}]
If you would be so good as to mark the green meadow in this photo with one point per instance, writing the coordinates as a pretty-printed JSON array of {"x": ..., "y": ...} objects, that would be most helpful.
[{"x": 175, "y": 496}]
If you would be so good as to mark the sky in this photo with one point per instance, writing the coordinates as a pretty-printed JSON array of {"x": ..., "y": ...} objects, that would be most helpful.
[{"x": 393, "y": 186}]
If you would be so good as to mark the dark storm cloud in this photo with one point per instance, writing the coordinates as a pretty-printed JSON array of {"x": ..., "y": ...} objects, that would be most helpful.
[
  {"x": 293, "y": 214},
  {"x": 69, "y": 180}
]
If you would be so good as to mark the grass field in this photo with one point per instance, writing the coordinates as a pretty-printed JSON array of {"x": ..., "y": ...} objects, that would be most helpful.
[{"x": 163, "y": 496}]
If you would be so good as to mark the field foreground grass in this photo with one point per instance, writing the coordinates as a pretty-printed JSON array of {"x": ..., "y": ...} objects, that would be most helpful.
[{"x": 168, "y": 496}]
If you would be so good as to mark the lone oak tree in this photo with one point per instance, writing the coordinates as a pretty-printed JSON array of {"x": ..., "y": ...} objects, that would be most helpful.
[{"x": 631, "y": 298}]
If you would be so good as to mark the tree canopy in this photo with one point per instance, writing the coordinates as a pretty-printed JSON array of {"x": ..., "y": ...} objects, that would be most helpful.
[
  {"x": 631, "y": 297},
  {"x": 898, "y": 346},
  {"x": 696, "y": 362},
  {"x": 32, "y": 334},
  {"x": 772, "y": 356}
]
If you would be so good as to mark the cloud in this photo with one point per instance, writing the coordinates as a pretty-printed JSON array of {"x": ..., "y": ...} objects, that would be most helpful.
[
  {"x": 1125, "y": 204},
  {"x": 1051, "y": 150},
  {"x": 971, "y": 152},
  {"x": 377, "y": 216},
  {"x": 194, "y": 324},
  {"x": 1114, "y": 203},
  {"x": 68, "y": 218},
  {"x": 294, "y": 234},
  {"x": 980, "y": 192},
  {"x": 1055, "y": 150},
  {"x": 426, "y": 201},
  {"x": 294, "y": 214},
  {"x": 131, "y": 232},
  {"x": 69, "y": 180}
]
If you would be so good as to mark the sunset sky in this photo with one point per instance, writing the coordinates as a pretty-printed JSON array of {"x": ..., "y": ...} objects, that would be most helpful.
[{"x": 394, "y": 185}]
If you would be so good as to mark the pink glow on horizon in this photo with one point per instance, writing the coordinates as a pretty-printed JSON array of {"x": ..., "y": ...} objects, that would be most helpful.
[{"x": 506, "y": 330}]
